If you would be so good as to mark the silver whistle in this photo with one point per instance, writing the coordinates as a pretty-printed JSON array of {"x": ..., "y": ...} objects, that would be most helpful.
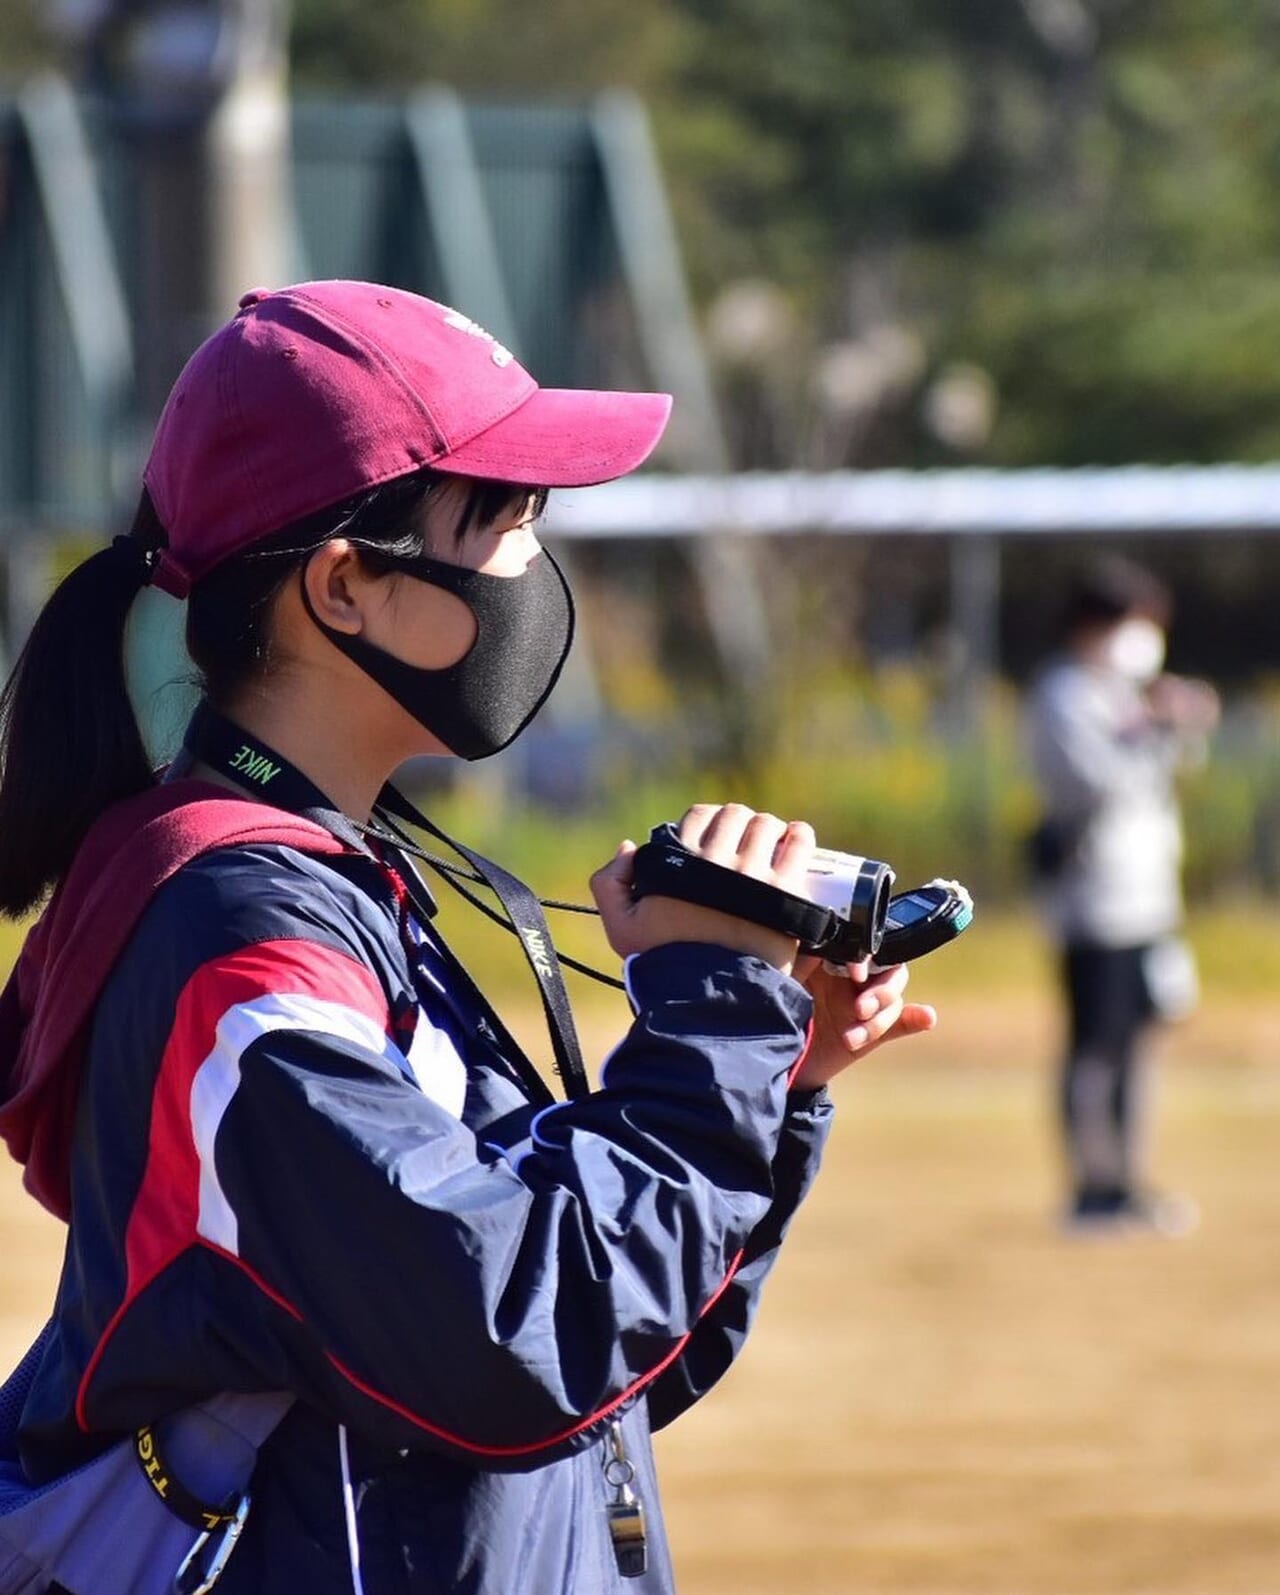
[{"x": 624, "y": 1513}]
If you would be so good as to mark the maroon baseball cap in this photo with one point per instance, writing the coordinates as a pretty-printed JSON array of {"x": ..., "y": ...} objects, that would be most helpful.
[{"x": 313, "y": 394}]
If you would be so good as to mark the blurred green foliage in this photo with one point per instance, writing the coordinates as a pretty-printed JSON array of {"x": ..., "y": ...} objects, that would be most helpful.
[{"x": 1074, "y": 198}]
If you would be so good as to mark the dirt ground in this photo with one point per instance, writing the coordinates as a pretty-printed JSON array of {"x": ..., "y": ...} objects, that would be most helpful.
[{"x": 947, "y": 1396}]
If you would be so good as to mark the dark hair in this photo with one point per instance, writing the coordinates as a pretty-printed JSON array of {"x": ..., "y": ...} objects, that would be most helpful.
[
  {"x": 70, "y": 745},
  {"x": 1111, "y": 588}
]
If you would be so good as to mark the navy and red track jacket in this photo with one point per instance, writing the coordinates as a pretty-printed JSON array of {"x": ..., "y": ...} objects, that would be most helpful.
[{"x": 301, "y": 1161}]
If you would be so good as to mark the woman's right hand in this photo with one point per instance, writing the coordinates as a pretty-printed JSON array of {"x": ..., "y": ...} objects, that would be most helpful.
[{"x": 729, "y": 834}]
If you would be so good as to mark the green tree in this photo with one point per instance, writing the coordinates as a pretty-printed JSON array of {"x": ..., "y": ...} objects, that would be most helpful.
[
  {"x": 489, "y": 48},
  {"x": 1077, "y": 199},
  {"x": 25, "y": 46},
  {"x": 1074, "y": 197}
]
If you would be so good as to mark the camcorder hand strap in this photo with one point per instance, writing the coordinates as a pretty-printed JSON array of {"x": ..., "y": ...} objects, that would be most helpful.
[{"x": 664, "y": 867}]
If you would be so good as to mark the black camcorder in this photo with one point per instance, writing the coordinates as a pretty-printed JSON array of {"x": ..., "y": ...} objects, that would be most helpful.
[{"x": 849, "y": 911}]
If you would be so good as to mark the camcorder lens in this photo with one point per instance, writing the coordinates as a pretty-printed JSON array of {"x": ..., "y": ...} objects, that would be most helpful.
[{"x": 857, "y": 890}]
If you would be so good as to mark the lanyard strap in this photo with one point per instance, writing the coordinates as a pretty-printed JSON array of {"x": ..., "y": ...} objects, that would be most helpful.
[
  {"x": 395, "y": 857},
  {"x": 256, "y": 768},
  {"x": 182, "y": 1502},
  {"x": 530, "y": 924}
]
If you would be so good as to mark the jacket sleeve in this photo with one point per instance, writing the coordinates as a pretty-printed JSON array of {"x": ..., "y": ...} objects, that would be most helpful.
[
  {"x": 719, "y": 1335},
  {"x": 496, "y": 1305},
  {"x": 1082, "y": 760}
]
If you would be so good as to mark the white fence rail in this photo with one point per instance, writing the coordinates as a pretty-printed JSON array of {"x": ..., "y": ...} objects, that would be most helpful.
[{"x": 1127, "y": 499}]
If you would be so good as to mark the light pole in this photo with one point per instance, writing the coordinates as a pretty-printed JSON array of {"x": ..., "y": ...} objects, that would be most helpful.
[{"x": 201, "y": 87}]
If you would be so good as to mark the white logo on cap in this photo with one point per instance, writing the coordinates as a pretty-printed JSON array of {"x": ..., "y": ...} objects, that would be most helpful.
[{"x": 499, "y": 355}]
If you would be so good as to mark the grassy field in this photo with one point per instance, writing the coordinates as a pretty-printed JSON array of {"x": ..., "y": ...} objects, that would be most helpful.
[{"x": 947, "y": 1396}]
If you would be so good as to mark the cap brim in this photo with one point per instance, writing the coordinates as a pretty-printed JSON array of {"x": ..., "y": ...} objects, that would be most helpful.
[{"x": 565, "y": 437}]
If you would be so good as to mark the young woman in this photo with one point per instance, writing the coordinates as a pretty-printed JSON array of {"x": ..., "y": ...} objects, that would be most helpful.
[{"x": 297, "y": 1151}]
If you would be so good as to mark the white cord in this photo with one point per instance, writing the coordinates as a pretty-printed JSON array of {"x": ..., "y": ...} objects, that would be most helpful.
[{"x": 349, "y": 1511}]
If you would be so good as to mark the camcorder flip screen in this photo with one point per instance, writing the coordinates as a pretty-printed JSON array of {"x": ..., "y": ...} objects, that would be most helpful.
[{"x": 924, "y": 918}]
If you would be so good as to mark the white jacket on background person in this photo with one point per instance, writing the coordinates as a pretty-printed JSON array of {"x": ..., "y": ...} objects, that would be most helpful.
[{"x": 1105, "y": 766}]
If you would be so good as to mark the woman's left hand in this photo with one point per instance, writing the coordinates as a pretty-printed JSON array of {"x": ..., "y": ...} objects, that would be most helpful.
[{"x": 853, "y": 1015}]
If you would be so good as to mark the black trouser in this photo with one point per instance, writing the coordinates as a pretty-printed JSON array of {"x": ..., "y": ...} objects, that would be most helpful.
[{"x": 1110, "y": 1005}]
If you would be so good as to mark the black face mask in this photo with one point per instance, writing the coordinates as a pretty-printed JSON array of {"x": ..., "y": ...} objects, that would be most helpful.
[{"x": 524, "y": 628}]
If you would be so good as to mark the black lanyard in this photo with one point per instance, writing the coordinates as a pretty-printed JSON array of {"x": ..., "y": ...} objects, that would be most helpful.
[
  {"x": 213, "y": 740},
  {"x": 223, "y": 746},
  {"x": 524, "y": 912}
]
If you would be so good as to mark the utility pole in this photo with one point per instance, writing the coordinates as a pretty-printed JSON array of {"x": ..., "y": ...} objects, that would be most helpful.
[
  {"x": 201, "y": 87},
  {"x": 249, "y": 161},
  {"x": 200, "y": 90}
]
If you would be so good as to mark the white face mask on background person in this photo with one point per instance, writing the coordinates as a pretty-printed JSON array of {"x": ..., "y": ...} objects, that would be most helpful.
[{"x": 1136, "y": 649}]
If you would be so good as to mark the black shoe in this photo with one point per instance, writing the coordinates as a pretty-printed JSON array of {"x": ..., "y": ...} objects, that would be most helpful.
[{"x": 1120, "y": 1212}]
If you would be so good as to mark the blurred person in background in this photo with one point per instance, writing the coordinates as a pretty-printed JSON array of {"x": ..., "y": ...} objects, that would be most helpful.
[
  {"x": 317, "y": 1197},
  {"x": 1109, "y": 731}
]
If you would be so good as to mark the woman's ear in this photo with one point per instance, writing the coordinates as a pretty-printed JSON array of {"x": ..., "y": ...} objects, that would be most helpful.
[{"x": 337, "y": 586}]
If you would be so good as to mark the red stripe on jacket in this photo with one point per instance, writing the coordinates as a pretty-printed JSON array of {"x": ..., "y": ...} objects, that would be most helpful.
[{"x": 162, "y": 1222}]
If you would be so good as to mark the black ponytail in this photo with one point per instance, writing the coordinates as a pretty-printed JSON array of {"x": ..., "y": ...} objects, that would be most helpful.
[{"x": 69, "y": 742}]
